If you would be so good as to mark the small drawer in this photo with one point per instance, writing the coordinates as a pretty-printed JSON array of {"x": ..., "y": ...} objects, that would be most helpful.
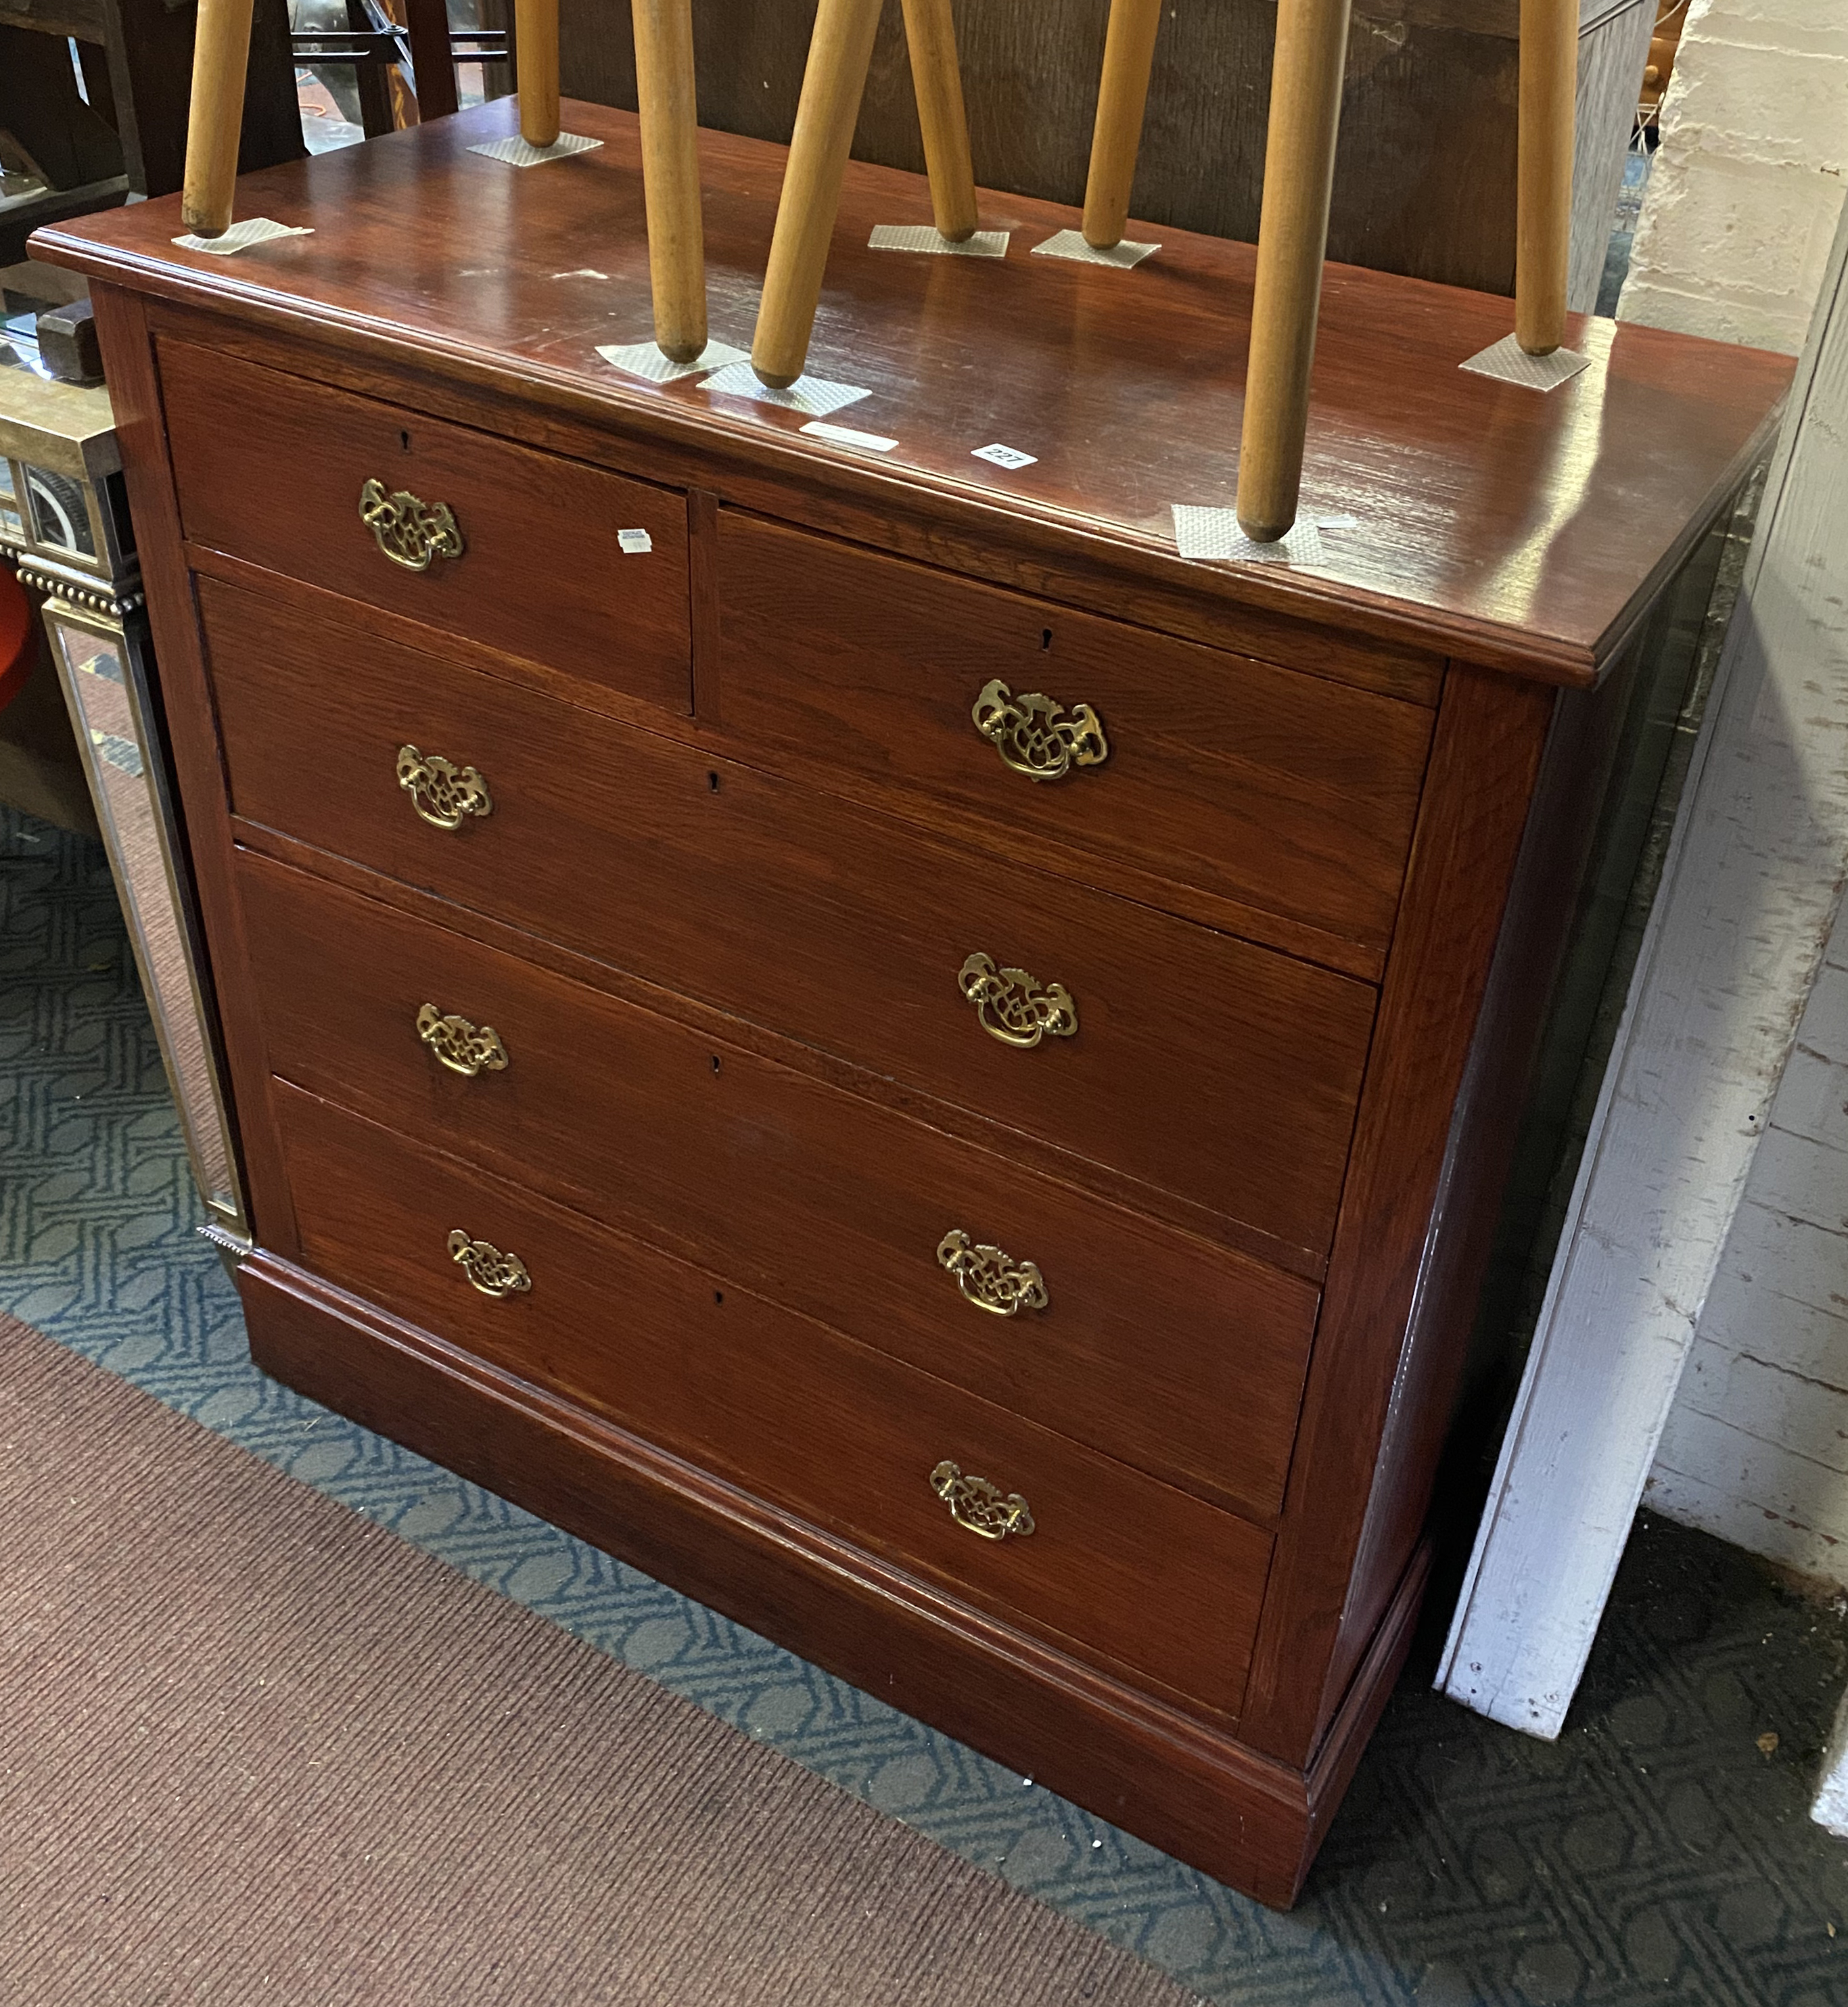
[
  {"x": 521, "y": 551},
  {"x": 1272, "y": 789},
  {"x": 831, "y": 1430},
  {"x": 1180, "y": 1358},
  {"x": 1201, "y": 1065}
]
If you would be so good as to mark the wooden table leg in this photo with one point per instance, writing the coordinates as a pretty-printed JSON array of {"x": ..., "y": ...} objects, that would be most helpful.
[
  {"x": 1122, "y": 94},
  {"x": 833, "y": 84},
  {"x": 536, "y": 61},
  {"x": 1543, "y": 213},
  {"x": 936, "y": 79},
  {"x": 215, "y": 121},
  {"x": 664, "y": 82},
  {"x": 427, "y": 21},
  {"x": 1292, "y": 239}
]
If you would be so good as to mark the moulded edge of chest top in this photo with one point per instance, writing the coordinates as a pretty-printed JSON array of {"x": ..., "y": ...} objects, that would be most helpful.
[{"x": 816, "y": 488}]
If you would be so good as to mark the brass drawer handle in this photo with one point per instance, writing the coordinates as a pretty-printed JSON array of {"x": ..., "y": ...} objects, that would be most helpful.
[
  {"x": 490, "y": 1272},
  {"x": 1033, "y": 735},
  {"x": 1014, "y": 1006},
  {"x": 442, "y": 793},
  {"x": 976, "y": 1504},
  {"x": 464, "y": 1048},
  {"x": 410, "y": 532},
  {"x": 991, "y": 1280}
]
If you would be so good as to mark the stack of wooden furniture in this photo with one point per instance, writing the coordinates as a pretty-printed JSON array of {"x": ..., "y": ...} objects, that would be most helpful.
[{"x": 889, "y": 1049}]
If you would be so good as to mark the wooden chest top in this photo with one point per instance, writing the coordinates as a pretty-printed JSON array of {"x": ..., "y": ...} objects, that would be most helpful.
[{"x": 1521, "y": 530}]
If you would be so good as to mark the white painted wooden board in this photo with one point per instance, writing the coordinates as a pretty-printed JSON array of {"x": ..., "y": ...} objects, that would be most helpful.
[
  {"x": 1749, "y": 894},
  {"x": 1613, "y": 50},
  {"x": 1756, "y": 1446}
]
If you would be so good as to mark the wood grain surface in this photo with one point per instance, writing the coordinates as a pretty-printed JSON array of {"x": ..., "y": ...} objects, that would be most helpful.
[
  {"x": 1154, "y": 1347},
  {"x": 1188, "y": 1786},
  {"x": 1279, "y": 792},
  {"x": 1202, "y": 1066},
  {"x": 1484, "y": 762},
  {"x": 1520, "y": 530},
  {"x": 789, "y": 1409},
  {"x": 610, "y": 616},
  {"x": 1428, "y": 83}
]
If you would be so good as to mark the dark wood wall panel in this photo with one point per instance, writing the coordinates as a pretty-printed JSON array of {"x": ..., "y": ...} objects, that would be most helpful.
[{"x": 1425, "y": 183}]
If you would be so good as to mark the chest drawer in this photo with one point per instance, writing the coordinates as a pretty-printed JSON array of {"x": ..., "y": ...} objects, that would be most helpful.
[
  {"x": 1269, "y": 788},
  {"x": 1152, "y": 1347},
  {"x": 275, "y": 470},
  {"x": 1201, "y": 1065},
  {"x": 795, "y": 1413}
]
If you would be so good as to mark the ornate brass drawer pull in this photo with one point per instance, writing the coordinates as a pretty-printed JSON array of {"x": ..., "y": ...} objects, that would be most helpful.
[
  {"x": 442, "y": 793},
  {"x": 976, "y": 1504},
  {"x": 991, "y": 1280},
  {"x": 1033, "y": 735},
  {"x": 464, "y": 1048},
  {"x": 410, "y": 532},
  {"x": 1014, "y": 1006},
  {"x": 490, "y": 1272}
]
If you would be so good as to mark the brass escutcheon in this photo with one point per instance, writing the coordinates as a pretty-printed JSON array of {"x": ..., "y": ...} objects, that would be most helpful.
[
  {"x": 976, "y": 1504},
  {"x": 1014, "y": 1006},
  {"x": 442, "y": 793},
  {"x": 490, "y": 1272},
  {"x": 990, "y": 1279},
  {"x": 1033, "y": 735},
  {"x": 410, "y": 532},
  {"x": 464, "y": 1048}
]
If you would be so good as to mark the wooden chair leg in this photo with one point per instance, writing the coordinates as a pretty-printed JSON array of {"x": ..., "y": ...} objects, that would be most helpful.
[
  {"x": 215, "y": 121},
  {"x": 1122, "y": 95},
  {"x": 1292, "y": 240},
  {"x": 536, "y": 33},
  {"x": 1543, "y": 212},
  {"x": 832, "y": 85},
  {"x": 664, "y": 79},
  {"x": 937, "y": 80}
]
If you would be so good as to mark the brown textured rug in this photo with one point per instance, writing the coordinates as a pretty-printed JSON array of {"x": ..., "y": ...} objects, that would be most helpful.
[{"x": 253, "y": 1747}]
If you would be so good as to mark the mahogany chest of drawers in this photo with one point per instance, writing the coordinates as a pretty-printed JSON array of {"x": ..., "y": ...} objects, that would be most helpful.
[{"x": 842, "y": 1021}]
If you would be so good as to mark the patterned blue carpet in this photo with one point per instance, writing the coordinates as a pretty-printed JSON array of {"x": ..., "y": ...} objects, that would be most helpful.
[{"x": 1656, "y": 1853}]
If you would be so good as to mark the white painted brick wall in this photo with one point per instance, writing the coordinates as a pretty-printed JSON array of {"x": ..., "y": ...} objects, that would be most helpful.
[
  {"x": 1735, "y": 232},
  {"x": 1756, "y": 1448}
]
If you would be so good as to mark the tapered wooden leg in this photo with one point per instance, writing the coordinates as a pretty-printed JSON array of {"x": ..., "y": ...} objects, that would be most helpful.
[
  {"x": 221, "y": 57},
  {"x": 1543, "y": 216},
  {"x": 936, "y": 79},
  {"x": 536, "y": 56},
  {"x": 664, "y": 82},
  {"x": 1292, "y": 238},
  {"x": 832, "y": 86},
  {"x": 1122, "y": 94}
]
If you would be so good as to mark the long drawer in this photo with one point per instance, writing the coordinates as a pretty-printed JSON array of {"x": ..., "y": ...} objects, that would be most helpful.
[
  {"x": 532, "y": 558},
  {"x": 1199, "y": 1065},
  {"x": 1270, "y": 789},
  {"x": 1154, "y": 1347},
  {"x": 791, "y": 1412}
]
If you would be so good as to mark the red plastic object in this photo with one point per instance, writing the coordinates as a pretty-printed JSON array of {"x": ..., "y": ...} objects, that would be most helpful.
[{"x": 19, "y": 636}]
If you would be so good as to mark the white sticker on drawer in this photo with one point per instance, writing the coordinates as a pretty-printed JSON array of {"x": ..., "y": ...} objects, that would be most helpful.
[
  {"x": 1005, "y": 455},
  {"x": 634, "y": 542}
]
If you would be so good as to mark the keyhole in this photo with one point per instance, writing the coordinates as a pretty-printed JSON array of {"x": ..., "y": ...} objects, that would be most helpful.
[
  {"x": 1045, "y": 639},
  {"x": 712, "y": 782},
  {"x": 405, "y": 441},
  {"x": 715, "y": 1062}
]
